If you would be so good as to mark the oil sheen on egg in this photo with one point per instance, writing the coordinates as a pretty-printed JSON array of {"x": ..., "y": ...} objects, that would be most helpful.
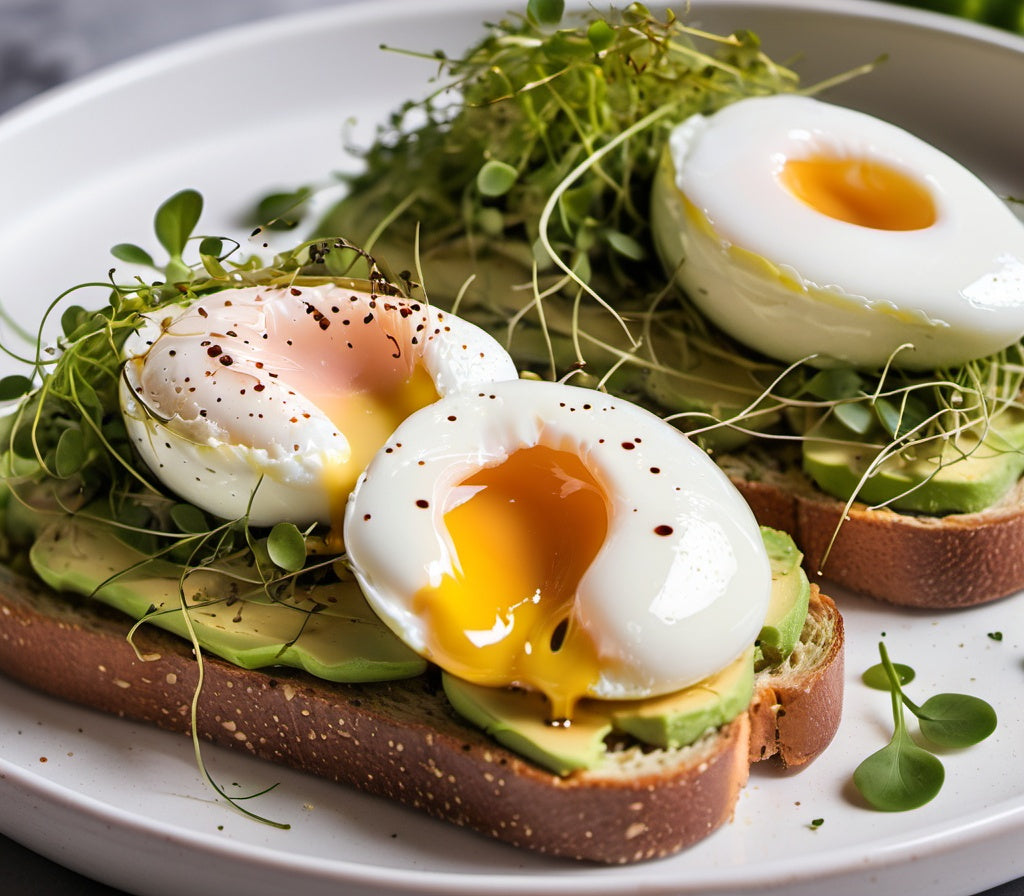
[
  {"x": 802, "y": 228},
  {"x": 555, "y": 538},
  {"x": 271, "y": 400}
]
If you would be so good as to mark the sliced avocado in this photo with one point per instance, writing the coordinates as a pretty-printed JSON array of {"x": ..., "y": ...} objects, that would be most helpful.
[
  {"x": 518, "y": 719},
  {"x": 678, "y": 719},
  {"x": 964, "y": 476},
  {"x": 329, "y": 630},
  {"x": 790, "y": 597}
]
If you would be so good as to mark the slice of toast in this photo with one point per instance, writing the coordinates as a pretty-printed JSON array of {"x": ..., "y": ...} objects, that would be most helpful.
[
  {"x": 401, "y": 740},
  {"x": 916, "y": 560}
]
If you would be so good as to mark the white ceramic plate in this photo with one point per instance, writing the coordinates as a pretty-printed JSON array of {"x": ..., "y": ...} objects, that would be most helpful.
[{"x": 262, "y": 107}]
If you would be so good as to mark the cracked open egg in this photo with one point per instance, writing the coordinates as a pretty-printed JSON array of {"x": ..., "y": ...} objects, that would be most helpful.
[
  {"x": 806, "y": 229},
  {"x": 558, "y": 539},
  {"x": 268, "y": 402}
]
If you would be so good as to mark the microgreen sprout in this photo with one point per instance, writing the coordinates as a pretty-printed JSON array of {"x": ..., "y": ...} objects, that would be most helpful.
[
  {"x": 65, "y": 451},
  {"x": 904, "y": 775},
  {"x": 523, "y": 180}
]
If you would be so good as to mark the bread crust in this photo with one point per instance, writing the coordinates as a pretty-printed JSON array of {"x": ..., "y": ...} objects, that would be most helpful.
[
  {"x": 401, "y": 740},
  {"x": 911, "y": 560},
  {"x": 796, "y": 710}
]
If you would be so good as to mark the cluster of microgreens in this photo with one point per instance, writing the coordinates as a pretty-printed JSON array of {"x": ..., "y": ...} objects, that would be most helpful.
[
  {"x": 904, "y": 775},
  {"x": 529, "y": 170},
  {"x": 64, "y": 448}
]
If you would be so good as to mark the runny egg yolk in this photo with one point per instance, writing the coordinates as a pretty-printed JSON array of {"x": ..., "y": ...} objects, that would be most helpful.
[
  {"x": 368, "y": 416},
  {"x": 860, "y": 191},
  {"x": 524, "y": 538}
]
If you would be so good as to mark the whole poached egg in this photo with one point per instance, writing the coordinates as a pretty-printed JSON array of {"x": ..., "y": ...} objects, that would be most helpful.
[
  {"x": 558, "y": 539},
  {"x": 806, "y": 229},
  {"x": 270, "y": 401}
]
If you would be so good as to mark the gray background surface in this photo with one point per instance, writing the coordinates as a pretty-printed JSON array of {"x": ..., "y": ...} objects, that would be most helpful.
[{"x": 44, "y": 43}]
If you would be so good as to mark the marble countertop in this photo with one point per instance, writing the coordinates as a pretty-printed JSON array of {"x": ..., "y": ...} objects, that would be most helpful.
[{"x": 44, "y": 43}]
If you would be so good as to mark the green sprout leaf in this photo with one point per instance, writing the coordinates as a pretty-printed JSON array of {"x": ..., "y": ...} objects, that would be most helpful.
[
  {"x": 901, "y": 419},
  {"x": 901, "y": 776},
  {"x": 132, "y": 254},
  {"x": 855, "y": 416},
  {"x": 546, "y": 12},
  {"x": 955, "y": 720},
  {"x": 284, "y": 210},
  {"x": 287, "y": 547},
  {"x": 877, "y": 677},
  {"x": 835, "y": 383},
  {"x": 176, "y": 219},
  {"x": 496, "y": 178},
  {"x": 14, "y": 386},
  {"x": 626, "y": 245},
  {"x": 211, "y": 245},
  {"x": 601, "y": 35},
  {"x": 189, "y": 518},
  {"x": 69, "y": 457}
]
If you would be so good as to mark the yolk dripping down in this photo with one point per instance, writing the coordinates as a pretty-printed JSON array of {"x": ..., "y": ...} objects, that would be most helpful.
[
  {"x": 360, "y": 371},
  {"x": 367, "y": 418},
  {"x": 523, "y": 541},
  {"x": 860, "y": 191}
]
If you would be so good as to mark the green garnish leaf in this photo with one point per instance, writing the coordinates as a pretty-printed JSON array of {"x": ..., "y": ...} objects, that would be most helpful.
[
  {"x": 904, "y": 775},
  {"x": 855, "y": 416},
  {"x": 496, "y": 178},
  {"x": 286, "y": 547},
  {"x": 626, "y": 245},
  {"x": 546, "y": 12},
  {"x": 212, "y": 266},
  {"x": 211, "y": 245},
  {"x": 14, "y": 386},
  {"x": 283, "y": 211},
  {"x": 132, "y": 254},
  {"x": 601, "y": 35},
  {"x": 996, "y": 636},
  {"x": 877, "y": 677},
  {"x": 902, "y": 418},
  {"x": 956, "y": 720},
  {"x": 175, "y": 220},
  {"x": 189, "y": 518},
  {"x": 835, "y": 383},
  {"x": 70, "y": 454},
  {"x": 900, "y": 776}
]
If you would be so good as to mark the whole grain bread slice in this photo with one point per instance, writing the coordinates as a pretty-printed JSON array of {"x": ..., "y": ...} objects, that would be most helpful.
[
  {"x": 914, "y": 560},
  {"x": 401, "y": 740}
]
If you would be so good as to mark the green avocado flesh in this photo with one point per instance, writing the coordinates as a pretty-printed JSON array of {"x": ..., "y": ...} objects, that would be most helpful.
[
  {"x": 328, "y": 630},
  {"x": 518, "y": 719},
  {"x": 958, "y": 477},
  {"x": 791, "y": 595}
]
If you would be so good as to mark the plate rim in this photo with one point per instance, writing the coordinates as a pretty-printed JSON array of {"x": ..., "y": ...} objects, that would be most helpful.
[{"x": 95, "y": 86}]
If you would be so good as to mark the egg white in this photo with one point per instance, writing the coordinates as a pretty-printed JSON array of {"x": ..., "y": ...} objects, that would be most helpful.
[
  {"x": 240, "y": 437},
  {"x": 665, "y": 610},
  {"x": 792, "y": 282}
]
